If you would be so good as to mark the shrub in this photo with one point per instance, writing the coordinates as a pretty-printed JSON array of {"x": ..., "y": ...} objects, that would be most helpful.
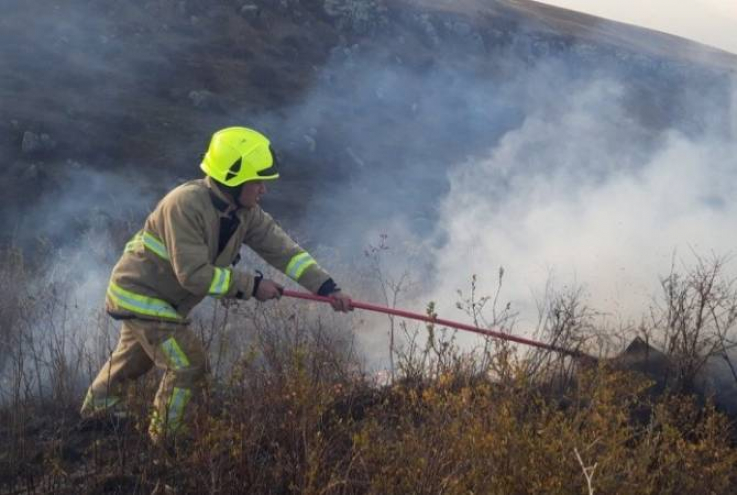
[{"x": 290, "y": 410}]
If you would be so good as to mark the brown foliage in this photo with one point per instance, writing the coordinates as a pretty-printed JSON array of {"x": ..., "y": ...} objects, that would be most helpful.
[{"x": 289, "y": 410}]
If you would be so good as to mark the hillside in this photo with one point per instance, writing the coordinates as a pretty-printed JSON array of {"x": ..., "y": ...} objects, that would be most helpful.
[
  {"x": 555, "y": 21},
  {"x": 137, "y": 88},
  {"x": 470, "y": 137}
]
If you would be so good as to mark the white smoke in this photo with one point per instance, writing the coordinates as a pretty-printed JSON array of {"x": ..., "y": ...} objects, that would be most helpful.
[
  {"x": 576, "y": 176},
  {"x": 508, "y": 149},
  {"x": 63, "y": 333},
  {"x": 566, "y": 193}
]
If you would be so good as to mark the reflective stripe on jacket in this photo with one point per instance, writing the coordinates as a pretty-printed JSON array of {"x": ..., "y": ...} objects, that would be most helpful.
[{"x": 169, "y": 266}]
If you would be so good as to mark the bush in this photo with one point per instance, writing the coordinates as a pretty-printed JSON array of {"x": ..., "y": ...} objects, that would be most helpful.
[
  {"x": 489, "y": 439},
  {"x": 290, "y": 410}
]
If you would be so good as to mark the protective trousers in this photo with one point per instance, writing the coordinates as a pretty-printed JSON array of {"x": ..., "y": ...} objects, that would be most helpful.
[{"x": 173, "y": 348}]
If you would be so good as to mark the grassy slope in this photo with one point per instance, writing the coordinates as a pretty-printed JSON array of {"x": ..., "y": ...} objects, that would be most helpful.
[
  {"x": 139, "y": 99},
  {"x": 588, "y": 28}
]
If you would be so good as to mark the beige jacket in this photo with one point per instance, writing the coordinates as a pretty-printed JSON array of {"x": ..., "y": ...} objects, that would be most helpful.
[{"x": 172, "y": 264}]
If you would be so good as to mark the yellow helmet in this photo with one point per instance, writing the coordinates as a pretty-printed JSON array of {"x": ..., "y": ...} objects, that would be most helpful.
[{"x": 237, "y": 155}]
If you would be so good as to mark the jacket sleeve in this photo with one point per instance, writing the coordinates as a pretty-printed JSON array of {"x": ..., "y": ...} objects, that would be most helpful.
[
  {"x": 270, "y": 242},
  {"x": 185, "y": 235}
]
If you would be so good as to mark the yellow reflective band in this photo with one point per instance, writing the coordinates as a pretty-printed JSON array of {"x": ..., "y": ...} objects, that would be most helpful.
[
  {"x": 135, "y": 243},
  {"x": 220, "y": 282},
  {"x": 298, "y": 264},
  {"x": 150, "y": 241},
  {"x": 156, "y": 423},
  {"x": 174, "y": 354},
  {"x": 149, "y": 306},
  {"x": 177, "y": 403},
  {"x": 155, "y": 245},
  {"x": 174, "y": 412},
  {"x": 99, "y": 404}
]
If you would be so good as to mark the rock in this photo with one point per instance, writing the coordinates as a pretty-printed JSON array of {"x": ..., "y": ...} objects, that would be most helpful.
[
  {"x": 31, "y": 143},
  {"x": 250, "y": 11},
  {"x": 34, "y": 143}
]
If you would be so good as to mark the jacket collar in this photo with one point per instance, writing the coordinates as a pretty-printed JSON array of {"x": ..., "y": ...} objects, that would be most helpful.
[{"x": 221, "y": 201}]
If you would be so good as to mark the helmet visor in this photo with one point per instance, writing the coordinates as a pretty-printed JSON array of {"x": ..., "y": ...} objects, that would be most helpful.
[{"x": 271, "y": 172}]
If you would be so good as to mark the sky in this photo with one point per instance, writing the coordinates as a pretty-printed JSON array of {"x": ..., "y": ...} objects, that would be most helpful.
[{"x": 713, "y": 22}]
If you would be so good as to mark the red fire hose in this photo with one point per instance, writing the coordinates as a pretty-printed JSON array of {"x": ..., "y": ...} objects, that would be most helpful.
[{"x": 439, "y": 321}]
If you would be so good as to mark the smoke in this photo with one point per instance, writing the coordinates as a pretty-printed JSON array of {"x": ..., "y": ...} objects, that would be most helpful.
[
  {"x": 471, "y": 148},
  {"x": 71, "y": 238},
  {"x": 565, "y": 178},
  {"x": 543, "y": 170},
  {"x": 578, "y": 195}
]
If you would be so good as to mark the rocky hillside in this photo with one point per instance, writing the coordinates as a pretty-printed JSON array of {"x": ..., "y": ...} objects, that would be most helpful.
[{"x": 136, "y": 88}]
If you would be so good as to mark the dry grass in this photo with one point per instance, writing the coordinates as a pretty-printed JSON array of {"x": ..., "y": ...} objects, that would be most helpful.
[{"x": 289, "y": 410}]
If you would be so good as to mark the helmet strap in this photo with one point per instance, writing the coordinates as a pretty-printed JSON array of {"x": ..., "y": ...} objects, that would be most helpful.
[{"x": 233, "y": 191}]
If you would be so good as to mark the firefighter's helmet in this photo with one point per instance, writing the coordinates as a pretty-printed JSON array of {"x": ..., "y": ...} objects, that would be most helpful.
[{"x": 237, "y": 155}]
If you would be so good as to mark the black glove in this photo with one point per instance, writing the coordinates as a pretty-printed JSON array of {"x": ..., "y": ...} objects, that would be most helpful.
[
  {"x": 327, "y": 288},
  {"x": 256, "y": 281}
]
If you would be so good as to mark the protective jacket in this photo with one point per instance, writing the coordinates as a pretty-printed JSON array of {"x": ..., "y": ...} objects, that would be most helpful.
[{"x": 187, "y": 249}]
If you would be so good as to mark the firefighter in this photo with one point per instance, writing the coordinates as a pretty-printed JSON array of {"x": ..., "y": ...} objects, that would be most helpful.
[{"x": 186, "y": 250}]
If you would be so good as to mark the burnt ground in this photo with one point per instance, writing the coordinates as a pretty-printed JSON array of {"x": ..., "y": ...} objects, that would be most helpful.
[{"x": 56, "y": 454}]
